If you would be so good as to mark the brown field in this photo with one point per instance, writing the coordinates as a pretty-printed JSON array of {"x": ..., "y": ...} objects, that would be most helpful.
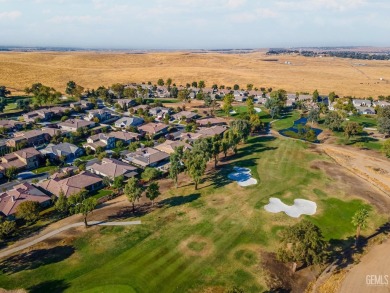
[{"x": 90, "y": 69}]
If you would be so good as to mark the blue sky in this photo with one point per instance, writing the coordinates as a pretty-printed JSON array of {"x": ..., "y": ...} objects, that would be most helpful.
[{"x": 194, "y": 24}]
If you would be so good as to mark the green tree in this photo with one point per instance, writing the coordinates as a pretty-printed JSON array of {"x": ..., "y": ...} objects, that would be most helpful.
[
  {"x": 255, "y": 123},
  {"x": 316, "y": 96},
  {"x": 236, "y": 87},
  {"x": 130, "y": 93},
  {"x": 250, "y": 106},
  {"x": 150, "y": 174},
  {"x": 169, "y": 82},
  {"x": 202, "y": 84},
  {"x": 216, "y": 149},
  {"x": 249, "y": 87},
  {"x": 183, "y": 95},
  {"x": 7, "y": 228},
  {"x": 227, "y": 103},
  {"x": 386, "y": 148},
  {"x": 351, "y": 129},
  {"x": 61, "y": 203},
  {"x": 133, "y": 191},
  {"x": 85, "y": 207},
  {"x": 28, "y": 210},
  {"x": 313, "y": 116},
  {"x": 4, "y": 92},
  {"x": 196, "y": 166},
  {"x": 194, "y": 84},
  {"x": 332, "y": 97},
  {"x": 241, "y": 128},
  {"x": 176, "y": 164},
  {"x": 384, "y": 120},
  {"x": 11, "y": 172},
  {"x": 152, "y": 191},
  {"x": 302, "y": 242},
  {"x": 118, "y": 89},
  {"x": 70, "y": 88},
  {"x": 334, "y": 121},
  {"x": 160, "y": 82},
  {"x": 119, "y": 182},
  {"x": 359, "y": 220}
]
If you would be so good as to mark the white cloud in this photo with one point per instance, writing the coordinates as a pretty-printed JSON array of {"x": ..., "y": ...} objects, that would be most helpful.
[
  {"x": 308, "y": 5},
  {"x": 235, "y": 3},
  {"x": 86, "y": 19},
  {"x": 10, "y": 15}
]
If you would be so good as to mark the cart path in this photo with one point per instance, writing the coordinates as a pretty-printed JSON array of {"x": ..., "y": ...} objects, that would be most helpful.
[
  {"x": 13, "y": 250},
  {"x": 369, "y": 274}
]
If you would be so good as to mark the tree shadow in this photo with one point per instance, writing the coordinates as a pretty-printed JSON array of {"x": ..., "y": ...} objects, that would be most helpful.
[
  {"x": 127, "y": 212},
  {"x": 36, "y": 258},
  {"x": 53, "y": 286},
  {"x": 179, "y": 200},
  {"x": 343, "y": 250}
]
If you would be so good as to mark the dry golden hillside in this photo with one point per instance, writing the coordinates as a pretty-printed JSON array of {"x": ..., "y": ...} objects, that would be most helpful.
[{"x": 90, "y": 69}]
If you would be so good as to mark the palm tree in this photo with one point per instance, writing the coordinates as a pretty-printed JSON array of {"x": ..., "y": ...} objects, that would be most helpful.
[{"x": 359, "y": 220}]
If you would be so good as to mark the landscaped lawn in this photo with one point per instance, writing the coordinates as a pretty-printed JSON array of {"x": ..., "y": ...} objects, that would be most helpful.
[
  {"x": 44, "y": 169},
  {"x": 100, "y": 193},
  {"x": 369, "y": 121},
  {"x": 206, "y": 239},
  {"x": 286, "y": 121}
]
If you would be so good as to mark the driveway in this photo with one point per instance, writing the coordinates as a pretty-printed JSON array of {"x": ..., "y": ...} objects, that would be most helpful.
[{"x": 10, "y": 185}]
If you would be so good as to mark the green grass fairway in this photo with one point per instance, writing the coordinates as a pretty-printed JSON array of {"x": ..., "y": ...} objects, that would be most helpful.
[
  {"x": 369, "y": 121},
  {"x": 198, "y": 240}
]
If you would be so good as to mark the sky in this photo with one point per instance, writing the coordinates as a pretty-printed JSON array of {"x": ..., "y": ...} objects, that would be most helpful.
[{"x": 194, "y": 24}]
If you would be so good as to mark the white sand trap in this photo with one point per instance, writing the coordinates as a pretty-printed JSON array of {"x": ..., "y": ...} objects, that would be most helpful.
[
  {"x": 242, "y": 176},
  {"x": 233, "y": 112},
  {"x": 258, "y": 110},
  {"x": 300, "y": 207}
]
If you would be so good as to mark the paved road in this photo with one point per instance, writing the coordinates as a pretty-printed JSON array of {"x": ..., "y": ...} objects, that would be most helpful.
[
  {"x": 8, "y": 252},
  {"x": 369, "y": 275}
]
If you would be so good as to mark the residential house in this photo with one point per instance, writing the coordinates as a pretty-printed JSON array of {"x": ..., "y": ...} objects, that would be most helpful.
[
  {"x": 125, "y": 122},
  {"x": 74, "y": 184},
  {"x": 11, "y": 125},
  {"x": 83, "y": 104},
  {"x": 100, "y": 140},
  {"x": 23, "y": 159},
  {"x": 126, "y": 137},
  {"x": 162, "y": 92},
  {"x": 240, "y": 96},
  {"x": 169, "y": 146},
  {"x": 381, "y": 104},
  {"x": 3, "y": 148},
  {"x": 11, "y": 199},
  {"x": 190, "y": 136},
  {"x": 144, "y": 108},
  {"x": 211, "y": 131},
  {"x": 211, "y": 121},
  {"x": 159, "y": 112},
  {"x": 112, "y": 168},
  {"x": 75, "y": 124},
  {"x": 101, "y": 114},
  {"x": 304, "y": 98},
  {"x": 147, "y": 157},
  {"x": 41, "y": 114},
  {"x": 185, "y": 115},
  {"x": 126, "y": 103},
  {"x": 361, "y": 103},
  {"x": 154, "y": 129},
  {"x": 66, "y": 150},
  {"x": 28, "y": 138},
  {"x": 365, "y": 110}
]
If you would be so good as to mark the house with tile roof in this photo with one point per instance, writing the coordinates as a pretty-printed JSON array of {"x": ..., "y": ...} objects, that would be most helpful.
[
  {"x": 28, "y": 158},
  {"x": 67, "y": 150},
  {"x": 112, "y": 168},
  {"x": 75, "y": 124},
  {"x": 11, "y": 199},
  {"x": 74, "y": 184}
]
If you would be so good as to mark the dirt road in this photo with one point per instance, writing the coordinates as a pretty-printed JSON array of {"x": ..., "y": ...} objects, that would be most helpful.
[{"x": 372, "y": 274}]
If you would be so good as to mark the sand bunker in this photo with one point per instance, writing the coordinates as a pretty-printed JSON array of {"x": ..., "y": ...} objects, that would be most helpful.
[
  {"x": 300, "y": 207},
  {"x": 258, "y": 110},
  {"x": 242, "y": 176},
  {"x": 232, "y": 112}
]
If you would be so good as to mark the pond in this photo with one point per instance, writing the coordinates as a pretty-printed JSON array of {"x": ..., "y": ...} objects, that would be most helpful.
[{"x": 301, "y": 130}]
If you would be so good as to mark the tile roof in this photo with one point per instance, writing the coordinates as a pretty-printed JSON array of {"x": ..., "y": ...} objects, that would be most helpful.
[{"x": 112, "y": 168}]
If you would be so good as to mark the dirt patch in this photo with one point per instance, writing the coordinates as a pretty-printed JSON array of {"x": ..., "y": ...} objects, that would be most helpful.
[
  {"x": 280, "y": 279},
  {"x": 354, "y": 185},
  {"x": 197, "y": 246}
]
